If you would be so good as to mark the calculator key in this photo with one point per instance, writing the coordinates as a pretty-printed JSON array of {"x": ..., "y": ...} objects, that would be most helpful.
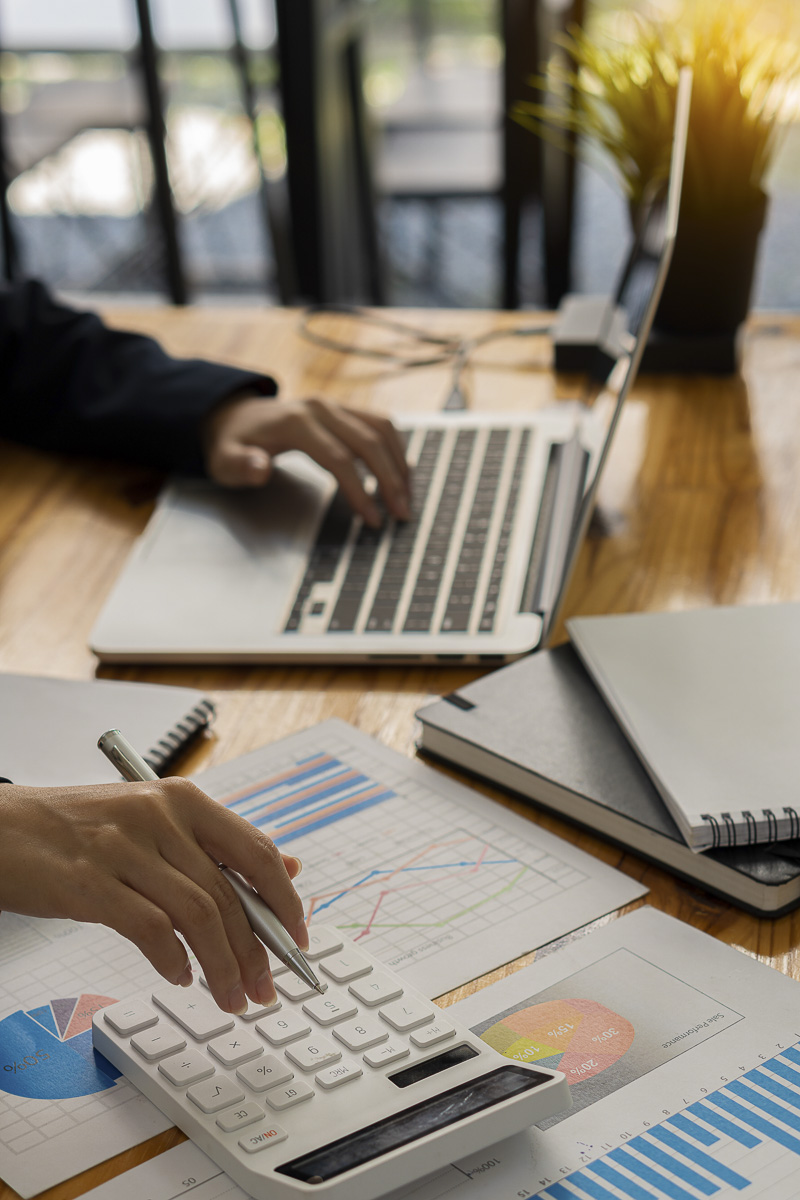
[
  {"x": 296, "y": 989},
  {"x": 331, "y": 1077},
  {"x": 376, "y": 989},
  {"x": 312, "y": 1054},
  {"x": 287, "y": 1097},
  {"x": 237, "y": 1118},
  {"x": 186, "y": 1067},
  {"x": 214, "y": 1094},
  {"x": 253, "y": 1011},
  {"x": 234, "y": 1048},
  {"x": 439, "y": 1031},
  {"x": 344, "y": 967},
  {"x": 283, "y": 1027},
  {"x": 269, "y": 1136},
  {"x": 408, "y": 1014},
  {"x": 361, "y": 1034},
  {"x": 276, "y": 967},
  {"x": 326, "y": 1010},
  {"x": 322, "y": 940},
  {"x": 267, "y": 1072},
  {"x": 382, "y": 1055},
  {"x": 129, "y": 1016},
  {"x": 158, "y": 1042},
  {"x": 193, "y": 1012}
]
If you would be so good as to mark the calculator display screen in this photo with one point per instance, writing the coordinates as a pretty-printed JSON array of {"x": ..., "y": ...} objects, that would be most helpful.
[{"x": 413, "y": 1123}]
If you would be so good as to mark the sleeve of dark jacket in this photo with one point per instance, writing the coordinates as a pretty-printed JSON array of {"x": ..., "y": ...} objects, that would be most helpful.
[{"x": 68, "y": 383}]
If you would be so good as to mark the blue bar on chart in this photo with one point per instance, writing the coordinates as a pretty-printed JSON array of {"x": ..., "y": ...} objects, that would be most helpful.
[
  {"x": 681, "y": 1158},
  {"x": 693, "y": 1129},
  {"x": 311, "y": 794}
]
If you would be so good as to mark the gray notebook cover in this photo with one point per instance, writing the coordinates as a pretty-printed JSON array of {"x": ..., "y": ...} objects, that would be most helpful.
[
  {"x": 49, "y": 727},
  {"x": 540, "y": 728},
  {"x": 709, "y": 700}
]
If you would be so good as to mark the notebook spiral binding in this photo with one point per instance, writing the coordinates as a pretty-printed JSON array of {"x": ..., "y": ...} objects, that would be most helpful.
[
  {"x": 743, "y": 828},
  {"x": 175, "y": 741}
]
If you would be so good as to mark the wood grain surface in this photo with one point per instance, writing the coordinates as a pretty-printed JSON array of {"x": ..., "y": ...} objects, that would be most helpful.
[{"x": 700, "y": 505}]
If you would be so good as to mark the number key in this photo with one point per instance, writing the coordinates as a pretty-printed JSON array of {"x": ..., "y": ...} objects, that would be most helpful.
[
  {"x": 344, "y": 967},
  {"x": 407, "y": 1014},
  {"x": 376, "y": 989},
  {"x": 283, "y": 1027},
  {"x": 310, "y": 1055},
  {"x": 322, "y": 940},
  {"x": 325, "y": 1010},
  {"x": 361, "y": 1034},
  {"x": 295, "y": 989}
]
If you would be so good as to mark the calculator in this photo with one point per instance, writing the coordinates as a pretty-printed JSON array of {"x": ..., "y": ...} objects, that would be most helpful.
[{"x": 346, "y": 1095}]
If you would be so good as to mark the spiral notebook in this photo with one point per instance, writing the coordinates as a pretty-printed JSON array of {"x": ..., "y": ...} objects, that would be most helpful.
[
  {"x": 709, "y": 700},
  {"x": 49, "y": 727}
]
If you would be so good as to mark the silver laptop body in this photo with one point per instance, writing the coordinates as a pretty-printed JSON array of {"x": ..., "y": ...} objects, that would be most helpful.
[{"x": 501, "y": 506}]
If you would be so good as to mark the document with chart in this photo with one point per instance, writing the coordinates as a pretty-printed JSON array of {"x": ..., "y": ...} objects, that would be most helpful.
[
  {"x": 683, "y": 1058},
  {"x": 440, "y": 883},
  {"x": 62, "y": 1107}
]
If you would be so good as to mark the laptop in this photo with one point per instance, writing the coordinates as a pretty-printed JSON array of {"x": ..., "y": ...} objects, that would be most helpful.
[{"x": 501, "y": 505}]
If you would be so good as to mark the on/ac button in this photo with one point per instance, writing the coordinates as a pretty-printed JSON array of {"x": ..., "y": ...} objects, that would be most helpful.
[{"x": 268, "y": 1135}]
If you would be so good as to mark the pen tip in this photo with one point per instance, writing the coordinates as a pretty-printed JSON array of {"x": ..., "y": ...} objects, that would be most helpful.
[{"x": 320, "y": 989}]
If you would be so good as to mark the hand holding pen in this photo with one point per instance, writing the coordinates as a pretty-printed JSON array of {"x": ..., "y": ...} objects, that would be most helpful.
[
  {"x": 142, "y": 858},
  {"x": 263, "y": 921}
]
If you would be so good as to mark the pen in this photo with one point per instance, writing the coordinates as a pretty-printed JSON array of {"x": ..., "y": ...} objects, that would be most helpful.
[{"x": 264, "y": 923}]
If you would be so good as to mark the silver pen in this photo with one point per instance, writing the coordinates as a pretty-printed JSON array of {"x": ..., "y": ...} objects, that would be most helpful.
[{"x": 264, "y": 923}]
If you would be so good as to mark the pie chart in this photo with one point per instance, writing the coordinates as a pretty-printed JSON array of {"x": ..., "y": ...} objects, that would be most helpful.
[
  {"x": 579, "y": 1037},
  {"x": 46, "y": 1053}
]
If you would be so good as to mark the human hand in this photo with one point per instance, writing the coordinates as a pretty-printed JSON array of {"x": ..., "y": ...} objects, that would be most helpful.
[
  {"x": 142, "y": 858},
  {"x": 243, "y": 436}
]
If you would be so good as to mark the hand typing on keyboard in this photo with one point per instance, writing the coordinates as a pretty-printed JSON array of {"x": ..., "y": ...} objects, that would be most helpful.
[
  {"x": 142, "y": 858},
  {"x": 244, "y": 435}
]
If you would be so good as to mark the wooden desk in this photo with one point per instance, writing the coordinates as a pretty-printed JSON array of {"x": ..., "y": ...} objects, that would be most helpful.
[{"x": 700, "y": 505}]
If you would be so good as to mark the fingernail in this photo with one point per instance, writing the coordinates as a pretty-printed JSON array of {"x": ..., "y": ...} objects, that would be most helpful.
[
  {"x": 237, "y": 1001},
  {"x": 298, "y": 865},
  {"x": 265, "y": 989},
  {"x": 301, "y": 936},
  {"x": 185, "y": 978}
]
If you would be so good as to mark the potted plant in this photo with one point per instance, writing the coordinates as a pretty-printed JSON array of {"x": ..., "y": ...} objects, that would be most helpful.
[{"x": 614, "y": 85}]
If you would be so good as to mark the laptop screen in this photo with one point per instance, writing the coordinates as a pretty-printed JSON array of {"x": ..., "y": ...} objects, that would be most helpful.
[{"x": 639, "y": 290}]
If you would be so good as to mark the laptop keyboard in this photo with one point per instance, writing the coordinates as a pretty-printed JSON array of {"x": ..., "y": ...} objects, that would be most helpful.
[{"x": 391, "y": 578}]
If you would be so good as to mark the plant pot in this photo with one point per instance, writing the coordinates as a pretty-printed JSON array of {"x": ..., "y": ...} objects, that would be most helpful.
[{"x": 711, "y": 275}]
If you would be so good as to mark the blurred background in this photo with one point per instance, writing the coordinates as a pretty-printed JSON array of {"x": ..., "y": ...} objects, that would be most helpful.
[{"x": 313, "y": 150}]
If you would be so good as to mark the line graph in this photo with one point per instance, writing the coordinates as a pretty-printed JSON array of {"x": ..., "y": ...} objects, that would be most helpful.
[
  {"x": 391, "y": 881},
  {"x": 437, "y": 881}
]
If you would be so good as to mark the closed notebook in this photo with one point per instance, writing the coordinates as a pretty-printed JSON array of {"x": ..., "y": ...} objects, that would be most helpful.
[
  {"x": 49, "y": 727},
  {"x": 709, "y": 700},
  {"x": 541, "y": 729}
]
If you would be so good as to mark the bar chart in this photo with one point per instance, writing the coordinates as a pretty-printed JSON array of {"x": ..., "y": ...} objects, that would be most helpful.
[
  {"x": 314, "y": 792},
  {"x": 745, "y": 1135},
  {"x": 437, "y": 881}
]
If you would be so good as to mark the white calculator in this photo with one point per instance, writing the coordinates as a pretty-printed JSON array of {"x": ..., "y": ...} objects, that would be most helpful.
[{"x": 346, "y": 1095}]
